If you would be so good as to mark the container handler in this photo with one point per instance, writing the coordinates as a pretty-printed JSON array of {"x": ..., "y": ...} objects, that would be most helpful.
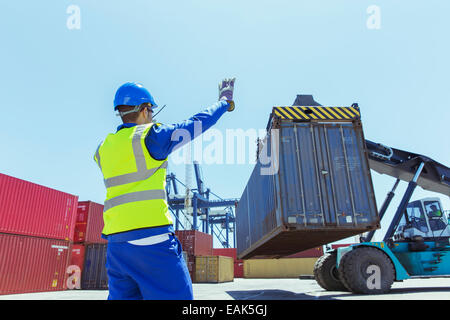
[{"x": 416, "y": 244}]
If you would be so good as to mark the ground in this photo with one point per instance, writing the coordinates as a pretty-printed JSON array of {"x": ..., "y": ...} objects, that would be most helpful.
[{"x": 272, "y": 289}]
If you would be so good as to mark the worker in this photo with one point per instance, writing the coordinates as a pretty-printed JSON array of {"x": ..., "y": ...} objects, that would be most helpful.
[
  {"x": 434, "y": 212},
  {"x": 144, "y": 258}
]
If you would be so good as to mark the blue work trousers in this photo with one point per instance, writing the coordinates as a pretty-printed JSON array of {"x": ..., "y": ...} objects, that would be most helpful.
[{"x": 149, "y": 272}]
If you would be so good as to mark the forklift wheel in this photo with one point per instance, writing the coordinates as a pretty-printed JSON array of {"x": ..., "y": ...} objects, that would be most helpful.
[
  {"x": 366, "y": 270},
  {"x": 326, "y": 273}
]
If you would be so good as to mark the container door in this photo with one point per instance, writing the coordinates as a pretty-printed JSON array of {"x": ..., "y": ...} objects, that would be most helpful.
[
  {"x": 324, "y": 175},
  {"x": 347, "y": 196},
  {"x": 299, "y": 177}
]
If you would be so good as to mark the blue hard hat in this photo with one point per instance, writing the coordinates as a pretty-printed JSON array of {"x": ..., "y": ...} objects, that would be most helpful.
[{"x": 132, "y": 94}]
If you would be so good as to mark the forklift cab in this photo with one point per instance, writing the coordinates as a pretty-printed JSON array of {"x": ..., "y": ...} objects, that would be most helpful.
[{"x": 425, "y": 219}]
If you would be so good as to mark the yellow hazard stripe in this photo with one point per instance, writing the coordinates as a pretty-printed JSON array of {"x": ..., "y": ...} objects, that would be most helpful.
[
  {"x": 301, "y": 112},
  {"x": 336, "y": 116},
  {"x": 325, "y": 113},
  {"x": 285, "y": 113},
  {"x": 355, "y": 111},
  {"x": 311, "y": 114},
  {"x": 348, "y": 112},
  {"x": 340, "y": 112},
  {"x": 316, "y": 113},
  {"x": 278, "y": 113}
]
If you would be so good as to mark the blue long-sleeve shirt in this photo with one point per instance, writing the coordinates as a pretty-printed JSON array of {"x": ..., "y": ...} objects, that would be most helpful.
[{"x": 160, "y": 143}]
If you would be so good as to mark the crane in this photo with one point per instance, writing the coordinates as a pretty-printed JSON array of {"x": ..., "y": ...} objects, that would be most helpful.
[{"x": 200, "y": 198}]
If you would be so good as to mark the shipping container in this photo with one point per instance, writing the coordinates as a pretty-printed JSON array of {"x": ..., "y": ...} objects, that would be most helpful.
[
  {"x": 75, "y": 268},
  {"x": 227, "y": 252},
  {"x": 30, "y": 209},
  {"x": 91, "y": 214},
  {"x": 195, "y": 243},
  {"x": 231, "y": 252},
  {"x": 94, "y": 276},
  {"x": 215, "y": 269},
  {"x": 310, "y": 253},
  {"x": 80, "y": 232},
  {"x": 279, "y": 268},
  {"x": 316, "y": 187},
  {"x": 32, "y": 264},
  {"x": 239, "y": 268}
]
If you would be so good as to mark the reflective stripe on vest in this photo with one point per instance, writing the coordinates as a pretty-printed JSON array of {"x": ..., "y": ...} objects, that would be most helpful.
[
  {"x": 133, "y": 197},
  {"x": 147, "y": 214}
]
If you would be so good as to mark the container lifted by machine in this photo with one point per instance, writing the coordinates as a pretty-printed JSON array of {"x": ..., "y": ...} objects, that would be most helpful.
[{"x": 318, "y": 187}]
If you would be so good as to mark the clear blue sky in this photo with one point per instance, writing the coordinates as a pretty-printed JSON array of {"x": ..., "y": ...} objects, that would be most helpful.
[{"x": 57, "y": 85}]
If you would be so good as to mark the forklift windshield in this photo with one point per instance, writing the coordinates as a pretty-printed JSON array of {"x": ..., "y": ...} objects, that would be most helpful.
[{"x": 417, "y": 216}]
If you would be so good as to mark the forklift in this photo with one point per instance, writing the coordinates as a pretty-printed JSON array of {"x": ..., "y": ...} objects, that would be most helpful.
[{"x": 417, "y": 242}]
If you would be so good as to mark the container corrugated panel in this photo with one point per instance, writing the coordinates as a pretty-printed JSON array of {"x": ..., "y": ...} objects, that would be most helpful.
[
  {"x": 94, "y": 276},
  {"x": 77, "y": 258},
  {"x": 94, "y": 221},
  {"x": 279, "y": 268},
  {"x": 194, "y": 242},
  {"x": 30, "y": 209},
  {"x": 239, "y": 269},
  {"x": 310, "y": 253},
  {"x": 227, "y": 252},
  {"x": 231, "y": 252},
  {"x": 75, "y": 268},
  {"x": 32, "y": 264},
  {"x": 215, "y": 269},
  {"x": 320, "y": 192},
  {"x": 80, "y": 232}
]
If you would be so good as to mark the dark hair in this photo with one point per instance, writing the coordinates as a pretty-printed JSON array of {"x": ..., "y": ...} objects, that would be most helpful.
[{"x": 131, "y": 117}]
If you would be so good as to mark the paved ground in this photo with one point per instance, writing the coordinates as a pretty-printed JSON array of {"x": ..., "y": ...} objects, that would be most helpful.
[{"x": 272, "y": 289}]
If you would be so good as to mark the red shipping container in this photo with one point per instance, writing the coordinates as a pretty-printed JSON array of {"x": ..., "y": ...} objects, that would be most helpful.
[
  {"x": 91, "y": 213},
  {"x": 30, "y": 209},
  {"x": 77, "y": 256},
  {"x": 75, "y": 267},
  {"x": 239, "y": 269},
  {"x": 227, "y": 252},
  {"x": 195, "y": 242},
  {"x": 31, "y": 264},
  {"x": 310, "y": 253},
  {"x": 80, "y": 232}
]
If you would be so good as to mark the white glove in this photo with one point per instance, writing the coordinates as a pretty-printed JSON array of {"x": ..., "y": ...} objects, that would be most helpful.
[{"x": 226, "y": 88}]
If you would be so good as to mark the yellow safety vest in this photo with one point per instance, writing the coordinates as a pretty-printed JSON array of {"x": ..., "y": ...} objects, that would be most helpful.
[{"x": 135, "y": 182}]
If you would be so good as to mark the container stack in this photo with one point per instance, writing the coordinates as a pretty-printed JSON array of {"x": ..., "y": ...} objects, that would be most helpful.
[
  {"x": 89, "y": 249},
  {"x": 36, "y": 233}
]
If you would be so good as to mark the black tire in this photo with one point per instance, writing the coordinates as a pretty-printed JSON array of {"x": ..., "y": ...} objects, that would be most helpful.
[
  {"x": 358, "y": 271},
  {"x": 326, "y": 273}
]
